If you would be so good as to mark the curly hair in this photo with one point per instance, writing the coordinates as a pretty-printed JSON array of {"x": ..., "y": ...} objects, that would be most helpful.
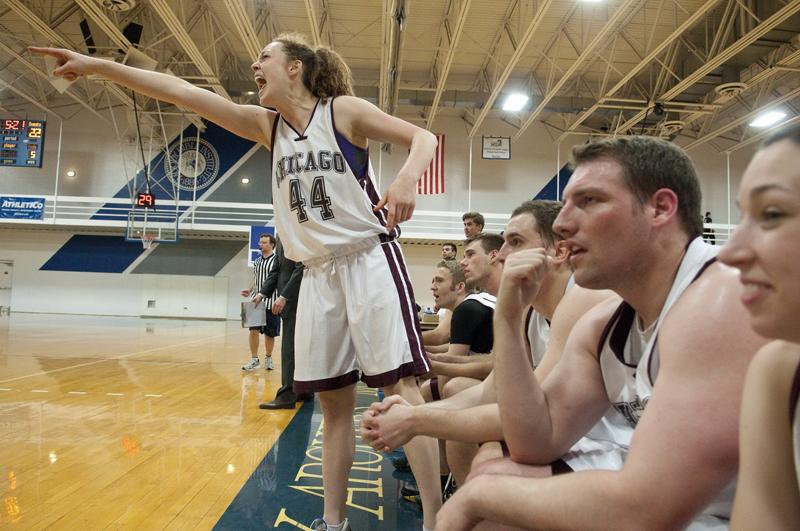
[{"x": 325, "y": 74}]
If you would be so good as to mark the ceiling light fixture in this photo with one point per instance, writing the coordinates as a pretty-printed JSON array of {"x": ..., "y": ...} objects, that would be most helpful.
[
  {"x": 765, "y": 119},
  {"x": 245, "y": 180},
  {"x": 71, "y": 173},
  {"x": 515, "y": 102}
]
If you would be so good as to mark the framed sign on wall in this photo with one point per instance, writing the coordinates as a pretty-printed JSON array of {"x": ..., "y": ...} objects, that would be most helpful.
[{"x": 496, "y": 147}]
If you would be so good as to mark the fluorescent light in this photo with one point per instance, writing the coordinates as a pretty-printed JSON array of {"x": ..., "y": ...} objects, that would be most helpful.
[
  {"x": 515, "y": 102},
  {"x": 768, "y": 118},
  {"x": 71, "y": 173},
  {"x": 245, "y": 180}
]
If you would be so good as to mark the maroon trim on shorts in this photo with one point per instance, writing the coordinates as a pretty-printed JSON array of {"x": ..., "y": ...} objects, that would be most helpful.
[
  {"x": 410, "y": 318},
  {"x": 390, "y": 377},
  {"x": 435, "y": 389},
  {"x": 327, "y": 384}
]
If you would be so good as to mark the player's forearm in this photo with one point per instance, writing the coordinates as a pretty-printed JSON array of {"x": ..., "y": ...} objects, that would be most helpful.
[
  {"x": 423, "y": 145},
  {"x": 477, "y": 370},
  {"x": 469, "y": 397},
  {"x": 594, "y": 500},
  {"x": 434, "y": 337},
  {"x": 157, "y": 85},
  {"x": 464, "y": 358},
  {"x": 437, "y": 349},
  {"x": 523, "y": 406},
  {"x": 471, "y": 425}
]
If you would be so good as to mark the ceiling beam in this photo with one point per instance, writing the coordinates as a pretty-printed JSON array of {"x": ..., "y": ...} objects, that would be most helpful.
[
  {"x": 730, "y": 124},
  {"x": 664, "y": 45},
  {"x": 533, "y": 26},
  {"x": 39, "y": 25},
  {"x": 28, "y": 98},
  {"x": 247, "y": 34},
  {"x": 764, "y": 73},
  {"x": 45, "y": 76},
  {"x": 624, "y": 10},
  {"x": 448, "y": 61},
  {"x": 763, "y": 134},
  {"x": 312, "y": 21},
  {"x": 746, "y": 40},
  {"x": 96, "y": 13},
  {"x": 187, "y": 43}
]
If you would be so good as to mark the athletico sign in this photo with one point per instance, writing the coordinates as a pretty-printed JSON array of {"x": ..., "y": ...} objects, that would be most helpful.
[{"x": 22, "y": 207}]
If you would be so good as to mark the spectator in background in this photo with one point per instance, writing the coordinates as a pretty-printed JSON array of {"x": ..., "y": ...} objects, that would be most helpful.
[
  {"x": 708, "y": 233},
  {"x": 473, "y": 224},
  {"x": 449, "y": 251}
]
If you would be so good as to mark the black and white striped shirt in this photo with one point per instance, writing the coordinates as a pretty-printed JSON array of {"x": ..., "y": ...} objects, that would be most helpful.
[{"x": 261, "y": 266}]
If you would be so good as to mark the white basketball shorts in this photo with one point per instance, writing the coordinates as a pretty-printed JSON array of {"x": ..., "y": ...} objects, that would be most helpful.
[{"x": 356, "y": 319}]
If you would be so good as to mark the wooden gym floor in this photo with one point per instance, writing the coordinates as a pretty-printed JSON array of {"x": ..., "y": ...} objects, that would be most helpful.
[{"x": 127, "y": 423}]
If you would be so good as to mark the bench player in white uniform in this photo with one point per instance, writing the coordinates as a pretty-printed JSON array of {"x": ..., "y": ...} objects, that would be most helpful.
[
  {"x": 470, "y": 417},
  {"x": 766, "y": 249},
  {"x": 355, "y": 313},
  {"x": 632, "y": 223}
]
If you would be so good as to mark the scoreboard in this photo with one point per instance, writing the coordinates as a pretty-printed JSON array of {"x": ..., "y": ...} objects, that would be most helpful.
[{"x": 23, "y": 141}]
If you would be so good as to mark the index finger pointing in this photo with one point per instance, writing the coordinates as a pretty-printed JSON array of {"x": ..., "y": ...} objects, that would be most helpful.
[{"x": 55, "y": 52}]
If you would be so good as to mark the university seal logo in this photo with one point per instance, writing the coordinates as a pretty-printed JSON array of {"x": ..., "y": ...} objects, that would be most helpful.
[{"x": 192, "y": 166}]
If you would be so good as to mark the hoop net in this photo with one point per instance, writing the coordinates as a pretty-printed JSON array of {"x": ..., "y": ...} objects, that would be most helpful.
[{"x": 147, "y": 241}]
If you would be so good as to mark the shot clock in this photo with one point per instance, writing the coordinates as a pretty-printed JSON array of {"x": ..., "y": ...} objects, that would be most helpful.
[
  {"x": 145, "y": 200},
  {"x": 23, "y": 141}
]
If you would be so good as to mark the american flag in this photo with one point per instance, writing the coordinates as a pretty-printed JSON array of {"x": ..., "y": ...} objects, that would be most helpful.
[{"x": 432, "y": 181}]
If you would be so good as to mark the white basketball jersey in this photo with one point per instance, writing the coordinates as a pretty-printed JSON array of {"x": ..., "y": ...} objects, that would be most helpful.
[
  {"x": 322, "y": 189},
  {"x": 629, "y": 361},
  {"x": 538, "y": 336}
]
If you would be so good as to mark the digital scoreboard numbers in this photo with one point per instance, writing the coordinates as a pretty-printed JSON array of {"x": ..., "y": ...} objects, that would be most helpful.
[
  {"x": 23, "y": 142},
  {"x": 146, "y": 200}
]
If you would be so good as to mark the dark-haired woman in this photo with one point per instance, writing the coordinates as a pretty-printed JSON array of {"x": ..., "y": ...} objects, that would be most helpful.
[{"x": 765, "y": 247}]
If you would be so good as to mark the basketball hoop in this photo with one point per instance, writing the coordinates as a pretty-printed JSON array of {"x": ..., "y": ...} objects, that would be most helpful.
[{"x": 147, "y": 241}]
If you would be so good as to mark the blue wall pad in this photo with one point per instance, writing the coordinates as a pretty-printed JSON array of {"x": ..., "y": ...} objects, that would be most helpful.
[
  {"x": 285, "y": 491},
  {"x": 94, "y": 254},
  {"x": 219, "y": 151},
  {"x": 549, "y": 190},
  {"x": 190, "y": 257}
]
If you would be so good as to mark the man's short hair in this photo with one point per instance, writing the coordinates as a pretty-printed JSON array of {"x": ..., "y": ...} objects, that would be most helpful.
[
  {"x": 451, "y": 245},
  {"x": 455, "y": 269},
  {"x": 477, "y": 217},
  {"x": 649, "y": 164},
  {"x": 785, "y": 133},
  {"x": 489, "y": 241},
  {"x": 544, "y": 213},
  {"x": 268, "y": 236}
]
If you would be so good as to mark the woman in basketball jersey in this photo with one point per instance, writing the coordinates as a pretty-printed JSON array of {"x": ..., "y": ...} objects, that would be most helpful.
[
  {"x": 766, "y": 249},
  {"x": 356, "y": 317}
]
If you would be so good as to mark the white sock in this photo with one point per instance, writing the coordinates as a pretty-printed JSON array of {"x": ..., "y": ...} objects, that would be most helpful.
[{"x": 337, "y": 527}]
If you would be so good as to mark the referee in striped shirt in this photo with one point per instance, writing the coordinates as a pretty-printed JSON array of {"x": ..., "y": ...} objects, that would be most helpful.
[{"x": 261, "y": 266}]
